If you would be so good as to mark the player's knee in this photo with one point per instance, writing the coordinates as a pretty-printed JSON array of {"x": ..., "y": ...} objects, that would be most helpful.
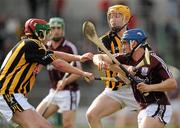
[
  {"x": 45, "y": 126},
  {"x": 68, "y": 122},
  {"x": 38, "y": 125},
  {"x": 91, "y": 115},
  {"x": 68, "y": 125}
]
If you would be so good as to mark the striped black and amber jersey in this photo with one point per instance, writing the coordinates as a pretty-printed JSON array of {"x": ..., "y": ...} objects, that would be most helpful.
[
  {"x": 113, "y": 43},
  {"x": 17, "y": 71}
]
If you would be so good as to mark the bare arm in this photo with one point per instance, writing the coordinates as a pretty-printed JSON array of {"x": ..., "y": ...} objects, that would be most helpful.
[
  {"x": 103, "y": 61},
  {"x": 166, "y": 85},
  {"x": 62, "y": 83},
  {"x": 63, "y": 66},
  {"x": 67, "y": 56},
  {"x": 73, "y": 57},
  {"x": 73, "y": 77}
]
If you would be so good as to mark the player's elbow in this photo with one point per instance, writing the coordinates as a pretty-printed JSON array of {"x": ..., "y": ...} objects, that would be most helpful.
[
  {"x": 58, "y": 64},
  {"x": 173, "y": 83}
]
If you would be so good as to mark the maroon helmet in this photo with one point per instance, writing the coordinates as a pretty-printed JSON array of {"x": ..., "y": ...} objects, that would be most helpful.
[{"x": 35, "y": 26}]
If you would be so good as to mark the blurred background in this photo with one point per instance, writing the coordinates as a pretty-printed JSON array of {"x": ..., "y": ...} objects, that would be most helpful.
[{"x": 159, "y": 18}]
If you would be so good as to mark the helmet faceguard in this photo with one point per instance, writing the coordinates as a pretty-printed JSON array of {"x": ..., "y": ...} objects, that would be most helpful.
[
  {"x": 36, "y": 27},
  {"x": 57, "y": 22},
  {"x": 124, "y": 11}
]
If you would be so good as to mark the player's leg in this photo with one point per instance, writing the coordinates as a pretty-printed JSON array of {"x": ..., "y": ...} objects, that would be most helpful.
[
  {"x": 154, "y": 116},
  {"x": 176, "y": 113},
  {"x": 67, "y": 106},
  {"x": 150, "y": 122},
  {"x": 68, "y": 119},
  {"x": 44, "y": 108},
  {"x": 46, "y": 111},
  {"x": 15, "y": 107},
  {"x": 30, "y": 119},
  {"x": 128, "y": 116},
  {"x": 101, "y": 107}
]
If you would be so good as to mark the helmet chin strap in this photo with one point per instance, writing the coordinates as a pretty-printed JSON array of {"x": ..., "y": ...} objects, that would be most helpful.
[
  {"x": 135, "y": 48},
  {"x": 119, "y": 28}
]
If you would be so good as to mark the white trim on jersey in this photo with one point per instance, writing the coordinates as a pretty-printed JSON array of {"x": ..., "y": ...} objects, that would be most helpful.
[
  {"x": 6, "y": 59},
  {"x": 163, "y": 64}
]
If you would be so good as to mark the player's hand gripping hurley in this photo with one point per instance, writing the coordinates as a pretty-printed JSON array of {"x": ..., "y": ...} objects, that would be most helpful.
[{"x": 90, "y": 33}]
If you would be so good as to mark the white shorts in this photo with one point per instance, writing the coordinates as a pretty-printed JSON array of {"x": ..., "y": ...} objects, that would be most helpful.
[
  {"x": 10, "y": 103},
  {"x": 124, "y": 96},
  {"x": 163, "y": 112},
  {"x": 66, "y": 100}
]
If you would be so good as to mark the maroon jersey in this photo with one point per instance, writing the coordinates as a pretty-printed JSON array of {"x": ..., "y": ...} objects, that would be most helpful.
[
  {"x": 56, "y": 75},
  {"x": 152, "y": 73}
]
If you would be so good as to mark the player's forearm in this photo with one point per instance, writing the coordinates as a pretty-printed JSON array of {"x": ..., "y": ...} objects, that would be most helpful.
[
  {"x": 167, "y": 85},
  {"x": 72, "y": 78},
  {"x": 66, "y": 56},
  {"x": 66, "y": 67}
]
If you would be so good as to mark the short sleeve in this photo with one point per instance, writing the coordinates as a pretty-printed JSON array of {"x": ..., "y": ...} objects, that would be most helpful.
[
  {"x": 164, "y": 72},
  {"x": 161, "y": 68},
  {"x": 35, "y": 53}
]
